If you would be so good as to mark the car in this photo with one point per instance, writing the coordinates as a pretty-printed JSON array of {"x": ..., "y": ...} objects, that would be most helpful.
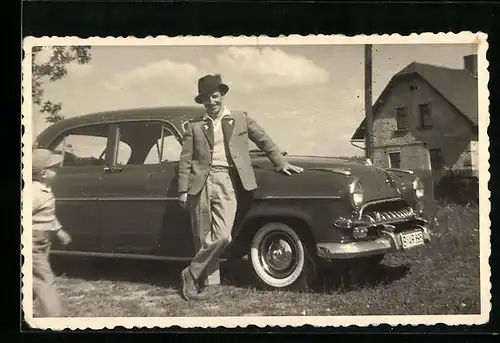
[{"x": 116, "y": 194}]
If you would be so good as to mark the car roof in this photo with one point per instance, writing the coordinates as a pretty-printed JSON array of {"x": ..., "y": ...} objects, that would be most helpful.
[{"x": 174, "y": 114}]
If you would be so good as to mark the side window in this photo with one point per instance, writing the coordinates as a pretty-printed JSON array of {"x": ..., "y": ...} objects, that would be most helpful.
[
  {"x": 123, "y": 154},
  {"x": 146, "y": 142},
  {"x": 85, "y": 146},
  {"x": 166, "y": 149}
]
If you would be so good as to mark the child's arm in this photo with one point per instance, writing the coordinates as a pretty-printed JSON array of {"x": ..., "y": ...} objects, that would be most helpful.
[{"x": 62, "y": 235}]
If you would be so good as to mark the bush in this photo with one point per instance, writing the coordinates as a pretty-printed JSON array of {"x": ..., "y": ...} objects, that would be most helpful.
[
  {"x": 457, "y": 187},
  {"x": 452, "y": 186}
]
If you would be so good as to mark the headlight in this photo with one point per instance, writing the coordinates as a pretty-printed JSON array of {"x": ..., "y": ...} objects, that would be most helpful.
[
  {"x": 418, "y": 188},
  {"x": 356, "y": 192}
]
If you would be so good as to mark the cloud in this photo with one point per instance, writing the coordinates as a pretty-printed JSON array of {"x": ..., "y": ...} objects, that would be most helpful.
[
  {"x": 245, "y": 68},
  {"x": 78, "y": 69},
  {"x": 249, "y": 68},
  {"x": 163, "y": 72}
]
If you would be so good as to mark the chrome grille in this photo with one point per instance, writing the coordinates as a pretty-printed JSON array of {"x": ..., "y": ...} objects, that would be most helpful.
[
  {"x": 383, "y": 211},
  {"x": 389, "y": 215}
]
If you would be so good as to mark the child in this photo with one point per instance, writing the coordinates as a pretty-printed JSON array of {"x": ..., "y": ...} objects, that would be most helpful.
[{"x": 45, "y": 224}]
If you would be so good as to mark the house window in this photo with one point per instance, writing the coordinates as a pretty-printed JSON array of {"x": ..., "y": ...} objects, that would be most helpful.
[
  {"x": 436, "y": 159},
  {"x": 395, "y": 159},
  {"x": 425, "y": 116},
  {"x": 401, "y": 118}
]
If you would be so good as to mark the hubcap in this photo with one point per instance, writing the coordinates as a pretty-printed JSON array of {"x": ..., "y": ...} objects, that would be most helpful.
[{"x": 278, "y": 254}]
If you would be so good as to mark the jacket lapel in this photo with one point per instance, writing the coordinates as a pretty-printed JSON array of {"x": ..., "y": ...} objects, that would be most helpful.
[
  {"x": 208, "y": 131},
  {"x": 228, "y": 127}
]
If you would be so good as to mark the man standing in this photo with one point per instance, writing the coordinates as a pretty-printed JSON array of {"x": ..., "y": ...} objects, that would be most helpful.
[{"x": 215, "y": 162}]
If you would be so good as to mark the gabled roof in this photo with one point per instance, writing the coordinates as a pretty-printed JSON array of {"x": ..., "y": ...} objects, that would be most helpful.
[{"x": 457, "y": 86}]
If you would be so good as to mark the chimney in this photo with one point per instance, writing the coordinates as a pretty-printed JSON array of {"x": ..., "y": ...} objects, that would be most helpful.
[{"x": 470, "y": 64}]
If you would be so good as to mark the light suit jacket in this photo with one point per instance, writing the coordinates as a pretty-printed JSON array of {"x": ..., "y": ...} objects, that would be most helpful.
[{"x": 197, "y": 149}]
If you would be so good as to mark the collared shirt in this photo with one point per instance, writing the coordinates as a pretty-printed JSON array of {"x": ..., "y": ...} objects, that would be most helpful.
[
  {"x": 219, "y": 157},
  {"x": 44, "y": 208}
]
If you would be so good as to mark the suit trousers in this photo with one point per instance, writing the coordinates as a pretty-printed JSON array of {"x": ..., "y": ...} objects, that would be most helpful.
[
  {"x": 44, "y": 286},
  {"x": 212, "y": 211}
]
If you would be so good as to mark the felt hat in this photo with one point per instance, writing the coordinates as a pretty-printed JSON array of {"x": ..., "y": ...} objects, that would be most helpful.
[{"x": 209, "y": 84}]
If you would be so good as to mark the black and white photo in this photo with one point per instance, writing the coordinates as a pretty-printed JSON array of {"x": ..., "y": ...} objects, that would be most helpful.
[{"x": 199, "y": 182}]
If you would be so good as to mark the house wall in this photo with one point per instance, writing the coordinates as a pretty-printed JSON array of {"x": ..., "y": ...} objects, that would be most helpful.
[{"x": 450, "y": 132}]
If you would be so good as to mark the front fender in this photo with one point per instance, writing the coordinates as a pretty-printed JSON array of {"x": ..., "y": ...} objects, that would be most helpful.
[
  {"x": 404, "y": 181},
  {"x": 312, "y": 217}
]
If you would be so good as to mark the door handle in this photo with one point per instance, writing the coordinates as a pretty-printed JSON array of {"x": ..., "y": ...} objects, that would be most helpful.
[{"x": 112, "y": 169}]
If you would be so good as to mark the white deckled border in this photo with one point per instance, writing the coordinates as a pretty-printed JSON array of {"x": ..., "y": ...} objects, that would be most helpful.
[{"x": 465, "y": 37}]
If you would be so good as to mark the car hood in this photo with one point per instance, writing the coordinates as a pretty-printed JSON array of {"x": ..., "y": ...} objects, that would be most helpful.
[{"x": 377, "y": 182}]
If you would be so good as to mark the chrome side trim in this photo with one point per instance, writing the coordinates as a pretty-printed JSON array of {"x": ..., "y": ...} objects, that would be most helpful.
[
  {"x": 269, "y": 197},
  {"x": 122, "y": 256},
  {"x": 119, "y": 199},
  {"x": 333, "y": 170},
  {"x": 406, "y": 171},
  {"x": 298, "y": 197}
]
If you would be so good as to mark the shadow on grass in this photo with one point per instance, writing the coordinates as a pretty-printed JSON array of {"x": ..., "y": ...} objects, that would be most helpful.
[
  {"x": 157, "y": 273},
  {"x": 236, "y": 273},
  {"x": 330, "y": 278},
  {"x": 345, "y": 280}
]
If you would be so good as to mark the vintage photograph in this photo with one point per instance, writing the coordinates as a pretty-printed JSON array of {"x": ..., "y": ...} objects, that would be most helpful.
[{"x": 204, "y": 182}]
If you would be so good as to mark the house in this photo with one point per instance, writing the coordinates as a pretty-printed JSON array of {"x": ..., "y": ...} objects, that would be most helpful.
[{"x": 426, "y": 118}]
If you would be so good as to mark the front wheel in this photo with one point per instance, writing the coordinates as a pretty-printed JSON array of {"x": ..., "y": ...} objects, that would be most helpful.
[{"x": 279, "y": 258}]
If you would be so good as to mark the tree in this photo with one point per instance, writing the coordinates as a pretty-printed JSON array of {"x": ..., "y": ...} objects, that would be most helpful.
[{"x": 53, "y": 69}]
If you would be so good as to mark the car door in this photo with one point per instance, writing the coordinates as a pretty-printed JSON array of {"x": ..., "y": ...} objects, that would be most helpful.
[
  {"x": 176, "y": 238},
  {"x": 134, "y": 210},
  {"x": 77, "y": 185}
]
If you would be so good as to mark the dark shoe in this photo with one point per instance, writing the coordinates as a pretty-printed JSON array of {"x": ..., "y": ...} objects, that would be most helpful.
[
  {"x": 189, "y": 289},
  {"x": 208, "y": 292}
]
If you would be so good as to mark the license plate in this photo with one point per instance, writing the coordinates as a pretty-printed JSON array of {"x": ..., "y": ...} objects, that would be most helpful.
[{"x": 412, "y": 239}]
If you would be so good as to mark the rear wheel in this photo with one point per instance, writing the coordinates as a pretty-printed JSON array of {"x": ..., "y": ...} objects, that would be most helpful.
[{"x": 280, "y": 259}]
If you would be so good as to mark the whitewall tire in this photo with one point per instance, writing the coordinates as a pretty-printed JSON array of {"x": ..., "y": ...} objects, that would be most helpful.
[{"x": 279, "y": 257}]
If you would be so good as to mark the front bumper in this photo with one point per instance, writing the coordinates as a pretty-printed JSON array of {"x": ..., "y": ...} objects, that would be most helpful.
[{"x": 390, "y": 240}]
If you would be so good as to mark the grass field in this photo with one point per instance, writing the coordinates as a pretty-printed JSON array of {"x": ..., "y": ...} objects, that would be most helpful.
[{"x": 442, "y": 278}]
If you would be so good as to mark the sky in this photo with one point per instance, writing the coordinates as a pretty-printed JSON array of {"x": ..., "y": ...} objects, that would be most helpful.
[{"x": 309, "y": 99}]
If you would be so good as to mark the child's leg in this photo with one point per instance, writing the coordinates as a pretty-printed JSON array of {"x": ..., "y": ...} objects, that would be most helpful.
[{"x": 44, "y": 287}]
